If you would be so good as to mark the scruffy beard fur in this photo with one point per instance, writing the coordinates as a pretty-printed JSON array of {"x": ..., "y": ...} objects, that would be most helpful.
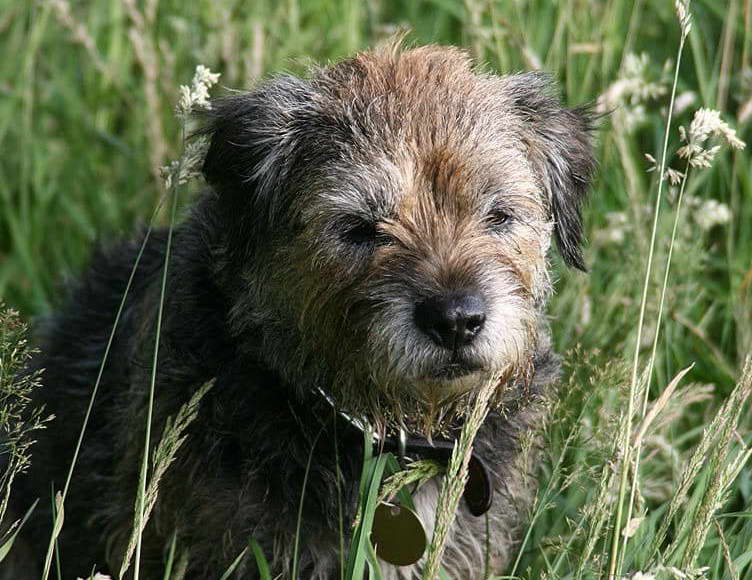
[
  {"x": 385, "y": 376},
  {"x": 348, "y": 216}
]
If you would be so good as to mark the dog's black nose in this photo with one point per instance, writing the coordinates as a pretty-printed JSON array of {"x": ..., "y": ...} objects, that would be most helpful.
[{"x": 452, "y": 320}]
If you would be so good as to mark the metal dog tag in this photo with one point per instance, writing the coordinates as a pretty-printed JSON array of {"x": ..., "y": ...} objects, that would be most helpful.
[
  {"x": 478, "y": 490},
  {"x": 398, "y": 534}
]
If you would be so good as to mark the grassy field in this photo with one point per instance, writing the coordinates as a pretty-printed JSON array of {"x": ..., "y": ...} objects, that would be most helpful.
[{"x": 87, "y": 94}]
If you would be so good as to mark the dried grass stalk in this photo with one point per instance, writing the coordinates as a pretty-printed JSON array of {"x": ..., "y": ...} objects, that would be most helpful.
[{"x": 456, "y": 477}]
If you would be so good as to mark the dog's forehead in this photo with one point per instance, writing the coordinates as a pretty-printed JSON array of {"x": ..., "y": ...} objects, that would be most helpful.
[
  {"x": 428, "y": 96},
  {"x": 421, "y": 124}
]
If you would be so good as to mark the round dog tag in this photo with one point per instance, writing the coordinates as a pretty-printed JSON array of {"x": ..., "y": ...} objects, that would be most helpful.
[
  {"x": 478, "y": 490},
  {"x": 398, "y": 534}
]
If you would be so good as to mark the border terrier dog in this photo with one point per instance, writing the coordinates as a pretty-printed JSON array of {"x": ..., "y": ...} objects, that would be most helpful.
[{"x": 374, "y": 239}]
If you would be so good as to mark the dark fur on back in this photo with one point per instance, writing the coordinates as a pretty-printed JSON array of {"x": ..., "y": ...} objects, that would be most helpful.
[{"x": 258, "y": 300}]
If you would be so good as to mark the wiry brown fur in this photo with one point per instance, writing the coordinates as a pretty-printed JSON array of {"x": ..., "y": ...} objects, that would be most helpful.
[{"x": 336, "y": 205}]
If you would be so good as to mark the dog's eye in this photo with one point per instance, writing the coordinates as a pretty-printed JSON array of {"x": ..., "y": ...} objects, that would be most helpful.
[
  {"x": 498, "y": 219},
  {"x": 365, "y": 233},
  {"x": 361, "y": 233}
]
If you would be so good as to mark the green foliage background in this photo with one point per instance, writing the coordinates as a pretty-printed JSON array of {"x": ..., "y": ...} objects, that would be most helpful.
[{"x": 87, "y": 91}]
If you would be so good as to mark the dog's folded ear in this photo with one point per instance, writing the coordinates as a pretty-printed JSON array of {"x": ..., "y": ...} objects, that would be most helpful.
[
  {"x": 559, "y": 142},
  {"x": 254, "y": 143}
]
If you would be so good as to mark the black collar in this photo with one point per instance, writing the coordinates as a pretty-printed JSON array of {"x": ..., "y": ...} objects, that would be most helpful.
[{"x": 478, "y": 492}]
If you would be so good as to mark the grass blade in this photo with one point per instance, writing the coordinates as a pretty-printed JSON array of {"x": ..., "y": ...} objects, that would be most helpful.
[
  {"x": 261, "y": 563},
  {"x": 141, "y": 498},
  {"x": 300, "y": 508},
  {"x": 16, "y": 527},
  {"x": 370, "y": 484}
]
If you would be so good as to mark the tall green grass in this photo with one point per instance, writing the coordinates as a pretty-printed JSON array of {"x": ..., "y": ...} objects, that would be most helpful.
[{"x": 86, "y": 120}]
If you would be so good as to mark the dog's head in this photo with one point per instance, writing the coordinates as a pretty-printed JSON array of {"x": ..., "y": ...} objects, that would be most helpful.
[{"x": 390, "y": 218}]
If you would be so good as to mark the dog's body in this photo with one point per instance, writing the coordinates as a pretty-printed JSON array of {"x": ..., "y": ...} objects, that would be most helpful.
[{"x": 379, "y": 233}]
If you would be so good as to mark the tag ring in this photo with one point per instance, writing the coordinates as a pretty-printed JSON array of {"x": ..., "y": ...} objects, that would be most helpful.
[{"x": 402, "y": 445}]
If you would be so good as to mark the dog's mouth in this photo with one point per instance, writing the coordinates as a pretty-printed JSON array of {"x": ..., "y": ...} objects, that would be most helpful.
[
  {"x": 454, "y": 370},
  {"x": 449, "y": 380}
]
